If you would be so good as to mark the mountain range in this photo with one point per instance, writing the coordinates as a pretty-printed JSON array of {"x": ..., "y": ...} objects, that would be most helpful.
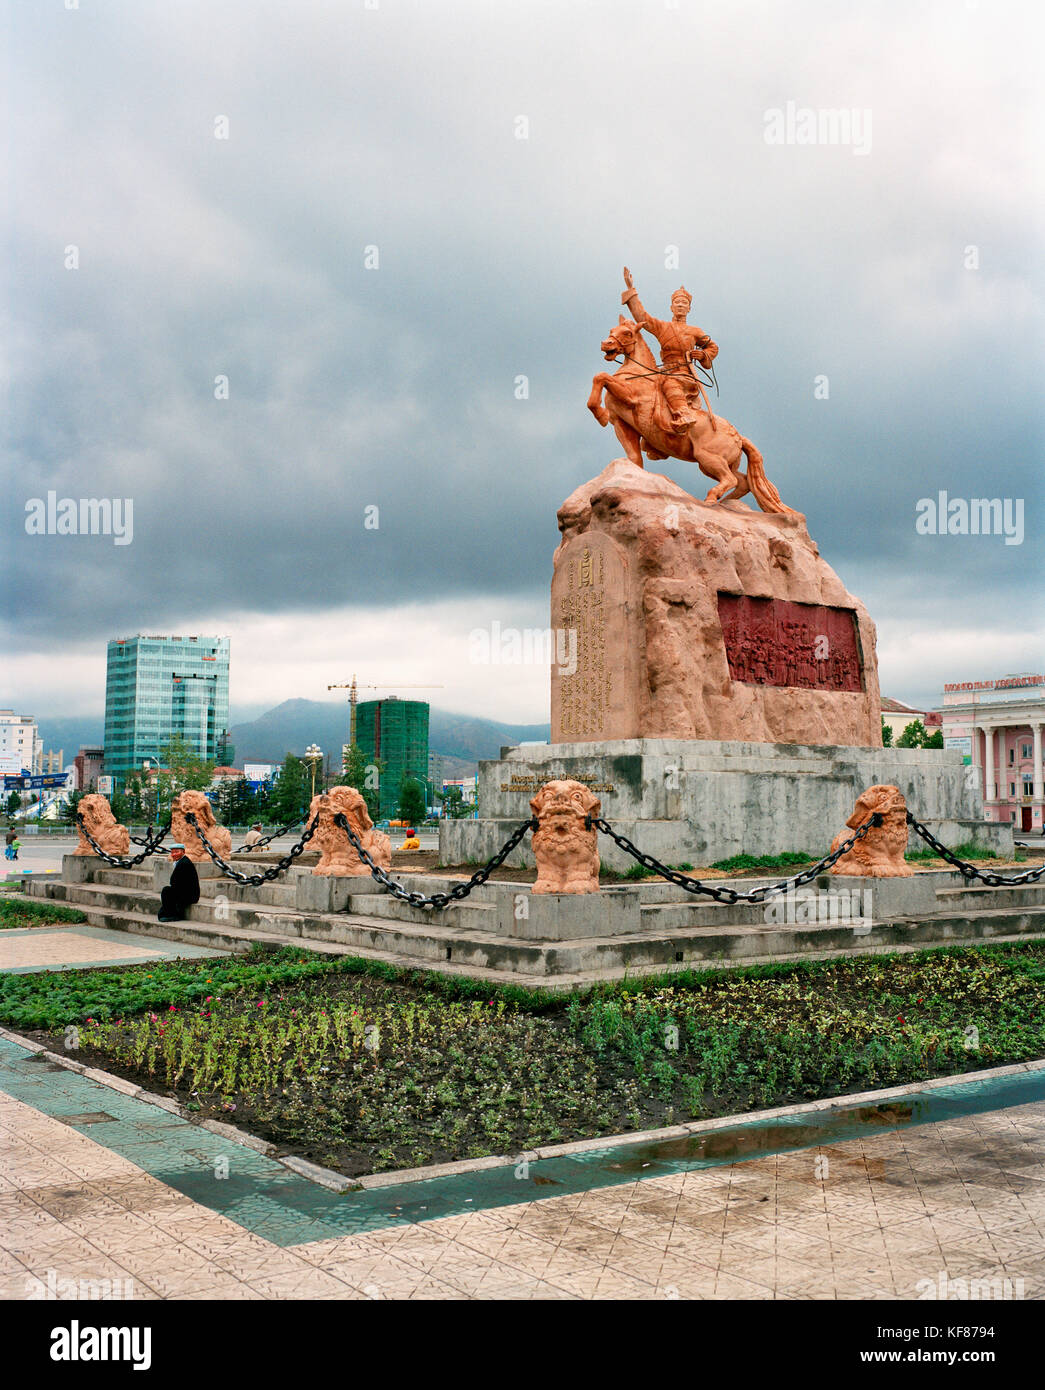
[{"x": 461, "y": 739}]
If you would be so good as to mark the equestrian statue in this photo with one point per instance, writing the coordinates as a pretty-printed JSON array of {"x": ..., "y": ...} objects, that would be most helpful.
[{"x": 664, "y": 411}]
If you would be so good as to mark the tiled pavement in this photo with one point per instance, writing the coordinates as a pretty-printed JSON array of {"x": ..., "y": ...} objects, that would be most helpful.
[
  {"x": 28, "y": 949},
  {"x": 864, "y": 1219}
]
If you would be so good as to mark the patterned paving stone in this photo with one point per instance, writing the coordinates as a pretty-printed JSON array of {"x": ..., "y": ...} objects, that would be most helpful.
[{"x": 962, "y": 1198}]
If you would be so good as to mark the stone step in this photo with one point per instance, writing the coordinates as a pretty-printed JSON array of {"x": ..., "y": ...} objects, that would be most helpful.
[
  {"x": 219, "y": 936},
  {"x": 274, "y": 894},
  {"x": 277, "y": 892},
  {"x": 222, "y": 937},
  {"x": 465, "y": 915},
  {"x": 701, "y": 912},
  {"x": 978, "y": 896},
  {"x": 748, "y": 948},
  {"x": 434, "y": 945},
  {"x": 147, "y": 902},
  {"x": 124, "y": 878}
]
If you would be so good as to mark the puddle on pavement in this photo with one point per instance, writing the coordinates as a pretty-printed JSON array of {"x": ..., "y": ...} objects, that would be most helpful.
[{"x": 756, "y": 1139}]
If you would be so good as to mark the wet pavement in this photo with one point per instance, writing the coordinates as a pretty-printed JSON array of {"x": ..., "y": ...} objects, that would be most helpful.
[{"x": 940, "y": 1186}]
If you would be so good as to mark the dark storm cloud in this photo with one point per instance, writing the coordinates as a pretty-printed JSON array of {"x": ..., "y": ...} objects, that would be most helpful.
[{"x": 499, "y": 257}]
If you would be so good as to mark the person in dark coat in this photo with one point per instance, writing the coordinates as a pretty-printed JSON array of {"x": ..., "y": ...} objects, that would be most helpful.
[{"x": 183, "y": 889}]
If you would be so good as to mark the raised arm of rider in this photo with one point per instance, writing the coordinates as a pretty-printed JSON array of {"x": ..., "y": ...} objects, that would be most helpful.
[{"x": 631, "y": 298}]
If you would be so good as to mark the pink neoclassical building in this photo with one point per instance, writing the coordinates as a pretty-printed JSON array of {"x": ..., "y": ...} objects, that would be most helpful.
[{"x": 998, "y": 725}]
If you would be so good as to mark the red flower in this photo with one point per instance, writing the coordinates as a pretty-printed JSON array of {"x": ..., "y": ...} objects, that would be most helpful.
[{"x": 900, "y": 1018}]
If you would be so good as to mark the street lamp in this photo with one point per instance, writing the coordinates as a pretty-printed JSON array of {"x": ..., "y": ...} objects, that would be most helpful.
[{"x": 313, "y": 755}]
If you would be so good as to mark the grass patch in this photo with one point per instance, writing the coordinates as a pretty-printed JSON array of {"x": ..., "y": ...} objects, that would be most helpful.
[
  {"x": 969, "y": 852},
  {"x": 638, "y": 872},
  {"x": 364, "y": 1067},
  {"x": 29, "y": 912},
  {"x": 789, "y": 859}
]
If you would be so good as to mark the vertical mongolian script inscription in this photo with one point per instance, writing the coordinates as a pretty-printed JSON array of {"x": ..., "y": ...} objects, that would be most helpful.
[
  {"x": 589, "y": 610},
  {"x": 585, "y": 694}
]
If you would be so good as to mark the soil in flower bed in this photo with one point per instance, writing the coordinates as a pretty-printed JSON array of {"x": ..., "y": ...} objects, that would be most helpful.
[{"x": 365, "y": 1069}]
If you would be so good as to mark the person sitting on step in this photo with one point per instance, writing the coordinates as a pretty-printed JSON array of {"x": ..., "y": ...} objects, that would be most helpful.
[{"x": 182, "y": 891}]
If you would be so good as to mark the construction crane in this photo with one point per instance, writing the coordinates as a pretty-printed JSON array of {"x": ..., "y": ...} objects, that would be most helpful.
[{"x": 353, "y": 697}]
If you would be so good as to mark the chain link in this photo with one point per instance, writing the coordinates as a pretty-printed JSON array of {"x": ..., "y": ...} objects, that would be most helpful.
[
  {"x": 152, "y": 846},
  {"x": 151, "y": 838},
  {"x": 730, "y": 895},
  {"x": 437, "y": 900},
  {"x": 969, "y": 871},
  {"x": 267, "y": 839},
  {"x": 255, "y": 880}
]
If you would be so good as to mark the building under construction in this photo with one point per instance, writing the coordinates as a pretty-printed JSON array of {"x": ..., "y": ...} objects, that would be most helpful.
[{"x": 394, "y": 733}]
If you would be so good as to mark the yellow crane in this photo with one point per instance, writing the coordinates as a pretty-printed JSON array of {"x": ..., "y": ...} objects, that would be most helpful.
[{"x": 353, "y": 688}]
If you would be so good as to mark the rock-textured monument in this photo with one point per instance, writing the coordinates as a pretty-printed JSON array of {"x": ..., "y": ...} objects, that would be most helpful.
[
  {"x": 105, "y": 830},
  {"x": 697, "y": 619},
  {"x": 337, "y": 858},
  {"x": 219, "y": 838},
  {"x": 688, "y": 619},
  {"x": 713, "y": 681}
]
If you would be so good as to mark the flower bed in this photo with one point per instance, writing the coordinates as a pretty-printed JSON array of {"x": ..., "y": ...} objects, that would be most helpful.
[
  {"x": 363, "y": 1068},
  {"x": 18, "y": 912}
]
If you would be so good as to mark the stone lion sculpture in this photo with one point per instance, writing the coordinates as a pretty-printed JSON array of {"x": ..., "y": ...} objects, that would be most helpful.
[
  {"x": 880, "y": 854},
  {"x": 197, "y": 804},
  {"x": 106, "y": 831},
  {"x": 566, "y": 853},
  {"x": 336, "y": 855}
]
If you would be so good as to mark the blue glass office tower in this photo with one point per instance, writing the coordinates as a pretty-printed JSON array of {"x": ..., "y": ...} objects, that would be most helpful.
[{"x": 158, "y": 687}]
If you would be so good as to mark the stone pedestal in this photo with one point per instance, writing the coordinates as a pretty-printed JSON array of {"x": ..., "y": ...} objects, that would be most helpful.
[
  {"x": 698, "y": 801},
  {"x": 685, "y": 619}
]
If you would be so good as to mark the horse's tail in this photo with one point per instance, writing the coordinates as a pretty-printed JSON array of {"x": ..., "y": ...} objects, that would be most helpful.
[{"x": 766, "y": 494}]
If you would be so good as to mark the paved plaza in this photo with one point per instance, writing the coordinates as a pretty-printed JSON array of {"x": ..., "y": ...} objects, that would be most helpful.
[
  {"x": 97, "y": 1185},
  {"x": 28, "y": 949},
  {"x": 895, "y": 1215}
]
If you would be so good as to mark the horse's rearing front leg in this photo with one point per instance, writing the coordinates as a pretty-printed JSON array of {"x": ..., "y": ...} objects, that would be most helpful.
[{"x": 595, "y": 398}]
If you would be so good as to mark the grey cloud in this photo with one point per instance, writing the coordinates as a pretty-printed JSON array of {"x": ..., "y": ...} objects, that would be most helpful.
[{"x": 499, "y": 257}]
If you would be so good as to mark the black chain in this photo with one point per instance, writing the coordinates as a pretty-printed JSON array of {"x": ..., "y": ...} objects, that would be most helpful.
[
  {"x": 150, "y": 837},
  {"x": 730, "y": 895},
  {"x": 255, "y": 880},
  {"x": 438, "y": 900},
  {"x": 266, "y": 839},
  {"x": 969, "y": 871},
  {"x": 152, "y": 846}
]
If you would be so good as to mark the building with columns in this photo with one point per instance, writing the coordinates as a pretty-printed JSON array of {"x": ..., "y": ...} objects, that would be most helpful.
[{"x": 998, "y": 726}]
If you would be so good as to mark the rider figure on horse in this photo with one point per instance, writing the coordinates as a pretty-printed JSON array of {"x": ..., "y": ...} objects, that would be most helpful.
[{"x": 680, "y": 344}]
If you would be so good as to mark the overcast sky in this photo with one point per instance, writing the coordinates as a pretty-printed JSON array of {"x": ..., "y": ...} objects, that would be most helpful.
[{"x": 397, "y": 127}]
